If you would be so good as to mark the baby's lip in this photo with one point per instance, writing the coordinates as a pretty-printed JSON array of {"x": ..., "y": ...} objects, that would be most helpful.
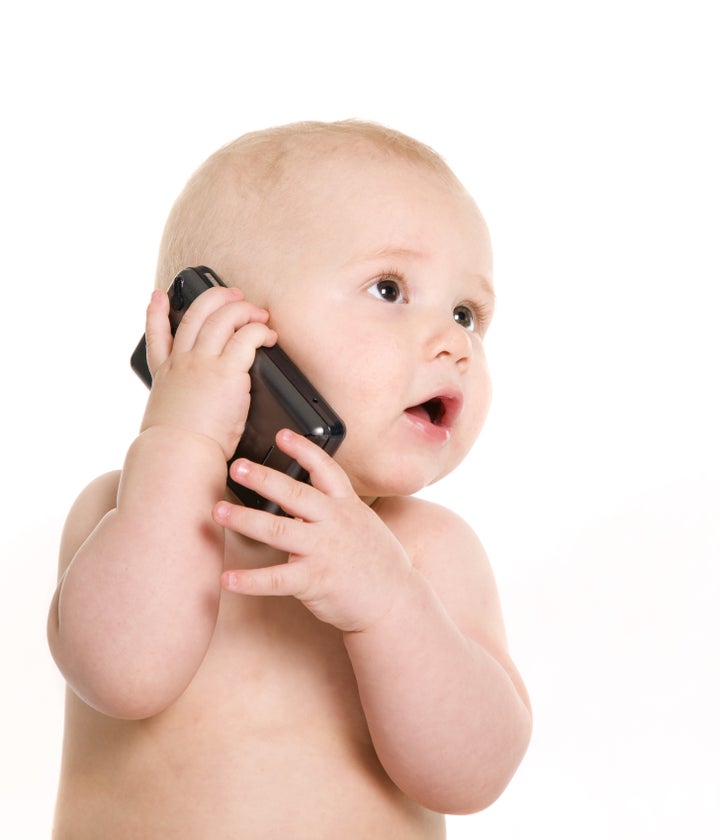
[{"x": 440, "y": 409}]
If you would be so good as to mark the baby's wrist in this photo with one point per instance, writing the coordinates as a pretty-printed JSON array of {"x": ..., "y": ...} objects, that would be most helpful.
[
  {"x": 181, "y": 439},
  {"x": 391, "y": 605}
]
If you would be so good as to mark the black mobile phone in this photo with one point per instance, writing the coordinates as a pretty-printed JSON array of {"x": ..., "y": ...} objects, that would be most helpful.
[{"x": 281, "y": 397}]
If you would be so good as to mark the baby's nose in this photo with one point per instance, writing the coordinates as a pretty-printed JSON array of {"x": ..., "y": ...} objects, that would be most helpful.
[{"x": 451, "y": 340}]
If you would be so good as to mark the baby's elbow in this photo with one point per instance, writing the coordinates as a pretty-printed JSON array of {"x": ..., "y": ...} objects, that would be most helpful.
[
  {"x": 477, "y": 797},
  {"x": 127, "y": 700},
  {"x": 126, "y": 694},
  {"x": 462, "y": 800},
  {"x": 484, "y": 779},
  {"x": 466, "y": 799},
  {"x": 491, "y": 783}
]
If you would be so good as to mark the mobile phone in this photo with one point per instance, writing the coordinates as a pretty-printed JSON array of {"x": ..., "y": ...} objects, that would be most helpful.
[{"x": 281, "y": 397}]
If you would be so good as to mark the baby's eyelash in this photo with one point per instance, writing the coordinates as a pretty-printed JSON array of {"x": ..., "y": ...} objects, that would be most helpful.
[
  {"x": 392, "y": 276},
  {"x": 482, "y": 314}
]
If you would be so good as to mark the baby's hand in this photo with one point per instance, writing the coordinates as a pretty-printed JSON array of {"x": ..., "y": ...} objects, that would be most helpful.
[
  {"x": 200, "y": 378},
  {"x": 344, "y": 564}
]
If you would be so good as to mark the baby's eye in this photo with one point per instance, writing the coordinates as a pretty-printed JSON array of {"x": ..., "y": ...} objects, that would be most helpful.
[
  {"x": 465, "y": 316},
  {"x": 388, "y": 288}
]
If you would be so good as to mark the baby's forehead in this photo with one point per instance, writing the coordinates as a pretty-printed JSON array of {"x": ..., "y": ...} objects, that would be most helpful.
[
  {"x": 361, "y": 178},
  {"x": 355, "y": 181}
]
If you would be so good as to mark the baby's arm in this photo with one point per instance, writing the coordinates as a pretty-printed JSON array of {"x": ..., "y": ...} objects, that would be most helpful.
[
  {"x": 449, "y": 715},
  {"x": 410, "y": 587},
  {"x": 141, "y": 557}
]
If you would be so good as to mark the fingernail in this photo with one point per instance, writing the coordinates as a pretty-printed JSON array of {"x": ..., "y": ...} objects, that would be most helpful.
[
  {"x": 241, "y": 467},
  {"x": 222, "y": 510}
]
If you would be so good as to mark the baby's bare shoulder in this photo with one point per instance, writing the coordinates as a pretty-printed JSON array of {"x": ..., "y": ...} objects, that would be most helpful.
[
  {"x": 449, "y": 554},
  {"x": 99, "y": 497},
  {"x": 425, "y": 527}
]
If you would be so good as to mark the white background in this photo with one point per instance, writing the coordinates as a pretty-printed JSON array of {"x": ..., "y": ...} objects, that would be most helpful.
[{"x": 588, "y": 133}]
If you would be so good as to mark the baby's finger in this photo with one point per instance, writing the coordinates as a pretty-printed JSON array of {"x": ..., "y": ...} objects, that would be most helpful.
[
  {"x": 282, "y": 580},
  {"x": 325, "y": 473},
  {"x": 225, "y": 322},
  {"x": 198, "y": 312},
  {"x": 294, "y": 497},
  {"x": 158, "y": 337},
  {"x": 279, "y": 532}
]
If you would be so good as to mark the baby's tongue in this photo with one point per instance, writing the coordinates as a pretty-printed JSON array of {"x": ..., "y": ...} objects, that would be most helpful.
[{"x": 419, "y": 411}]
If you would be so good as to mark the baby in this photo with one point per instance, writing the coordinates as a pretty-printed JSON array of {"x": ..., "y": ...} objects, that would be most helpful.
[{"x": 341, "y": 672}]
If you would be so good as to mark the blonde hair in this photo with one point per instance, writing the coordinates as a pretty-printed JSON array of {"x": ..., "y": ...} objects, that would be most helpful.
[{"x": 211, "y": 219}]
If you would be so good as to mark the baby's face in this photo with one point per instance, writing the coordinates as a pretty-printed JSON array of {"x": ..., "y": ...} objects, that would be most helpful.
[{"x": 380, "y": 291}]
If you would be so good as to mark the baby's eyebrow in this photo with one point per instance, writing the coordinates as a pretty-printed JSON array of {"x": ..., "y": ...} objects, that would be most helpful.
[
  {"x": 485, "y": 285},
  {"x": 387, "y": 253}
]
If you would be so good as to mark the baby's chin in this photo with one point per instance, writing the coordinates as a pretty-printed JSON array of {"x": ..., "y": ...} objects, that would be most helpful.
[
  {"x": 405, "y": 475},
  {"x": 393, "y": 486}
]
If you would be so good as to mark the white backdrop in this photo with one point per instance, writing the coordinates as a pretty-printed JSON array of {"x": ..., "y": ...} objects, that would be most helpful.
[{"x": 589, "y": 134}]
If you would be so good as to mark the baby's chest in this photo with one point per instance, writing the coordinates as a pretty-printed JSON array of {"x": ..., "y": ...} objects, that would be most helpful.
[{"x": 271, "y": 663}]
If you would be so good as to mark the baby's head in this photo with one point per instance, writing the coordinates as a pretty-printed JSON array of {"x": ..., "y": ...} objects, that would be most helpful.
[
  {"x": 244, "y": 192},
  {"x": 375, "y": 266}
]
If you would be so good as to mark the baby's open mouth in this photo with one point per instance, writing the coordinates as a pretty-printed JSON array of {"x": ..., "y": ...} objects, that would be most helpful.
[
  {"x": 434, "y": 409},
  {"x": 440, "y": 410}
]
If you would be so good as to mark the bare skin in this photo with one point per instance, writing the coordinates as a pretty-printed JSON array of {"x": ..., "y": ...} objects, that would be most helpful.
[
  {"x": 340, "y": 673},
  {"x": 286, "y": 750}
]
